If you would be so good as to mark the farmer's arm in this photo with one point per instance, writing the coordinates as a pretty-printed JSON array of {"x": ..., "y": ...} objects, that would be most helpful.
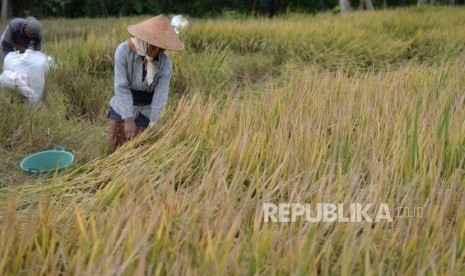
[
  {"x": 7, "y": 42},
  {"x": 10, "y": 46},
  {"x": 160, "y": 97},
  {"x": 124, "y": 105},
  {"x": 38, "y": 44}
]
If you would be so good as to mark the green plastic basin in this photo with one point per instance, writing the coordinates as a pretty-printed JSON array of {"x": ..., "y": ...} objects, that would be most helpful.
[{"x": 46, "y": 162}]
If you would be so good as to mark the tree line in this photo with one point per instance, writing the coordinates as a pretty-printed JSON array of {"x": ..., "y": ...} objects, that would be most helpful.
[{"x": 198, "y": 8}]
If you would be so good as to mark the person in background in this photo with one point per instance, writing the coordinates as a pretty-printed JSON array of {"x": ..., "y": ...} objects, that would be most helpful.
[
  {"x": 22, "y": 34},
  {"x": 142, "y": 77}
]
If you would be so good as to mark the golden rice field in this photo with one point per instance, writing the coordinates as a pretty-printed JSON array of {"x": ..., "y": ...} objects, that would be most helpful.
[{"x": 364, "y": 108}]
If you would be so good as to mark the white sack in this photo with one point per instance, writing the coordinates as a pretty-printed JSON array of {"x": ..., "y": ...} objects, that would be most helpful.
[
  {"x": 30, "y": 69},
  {"x": 17, "y": 80}
]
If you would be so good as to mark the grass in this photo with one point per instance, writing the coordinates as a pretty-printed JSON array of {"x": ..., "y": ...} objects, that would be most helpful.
[{"x": 360, "y": 108}]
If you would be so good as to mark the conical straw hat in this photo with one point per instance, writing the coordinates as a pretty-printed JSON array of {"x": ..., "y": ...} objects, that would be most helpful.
[{"x": 157, "y": 31}]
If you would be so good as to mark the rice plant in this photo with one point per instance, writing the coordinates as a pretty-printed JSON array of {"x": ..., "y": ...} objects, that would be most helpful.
[{"x": 360, "y": 108}]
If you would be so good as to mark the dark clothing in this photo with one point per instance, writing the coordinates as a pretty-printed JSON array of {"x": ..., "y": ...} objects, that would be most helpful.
[
  {"x": 141, "y": 98},
  {"x": 141, "y": 120},
  {"x": 14, "y": 38}
]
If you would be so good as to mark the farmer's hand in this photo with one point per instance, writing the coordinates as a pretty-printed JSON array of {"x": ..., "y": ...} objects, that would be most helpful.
[{"x": 130, "y": 128}]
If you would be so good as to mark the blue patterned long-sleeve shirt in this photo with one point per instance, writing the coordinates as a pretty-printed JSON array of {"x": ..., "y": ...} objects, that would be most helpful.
[{"x": 129, "y": 74}]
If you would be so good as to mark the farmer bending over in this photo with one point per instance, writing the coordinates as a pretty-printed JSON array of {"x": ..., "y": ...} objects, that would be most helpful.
[
  {"x": 142, "y": 78},
  {"x": 21, "y": 34}
]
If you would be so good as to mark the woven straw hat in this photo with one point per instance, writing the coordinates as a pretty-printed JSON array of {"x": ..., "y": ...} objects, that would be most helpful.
[{"x": 157, "y": 31}]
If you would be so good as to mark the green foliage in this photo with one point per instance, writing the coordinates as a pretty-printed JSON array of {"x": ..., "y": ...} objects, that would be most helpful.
[{"x": 99, "y": 8}]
